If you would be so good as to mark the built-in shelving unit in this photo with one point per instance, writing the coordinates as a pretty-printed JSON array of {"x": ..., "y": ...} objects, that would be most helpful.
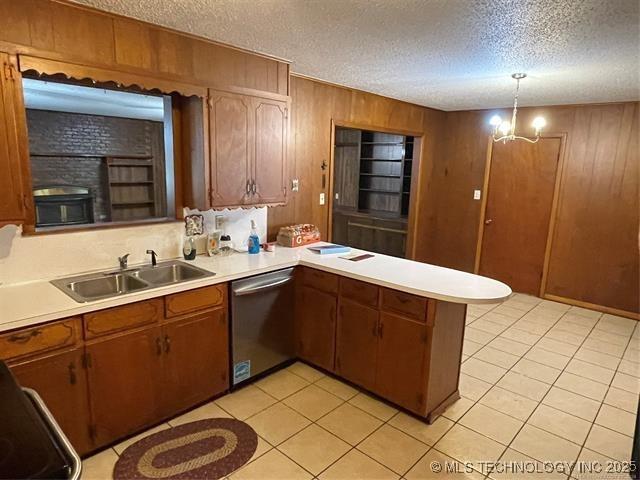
[
  {"x": 131, "y": 187},
  {"x": 372, "y": 189}
]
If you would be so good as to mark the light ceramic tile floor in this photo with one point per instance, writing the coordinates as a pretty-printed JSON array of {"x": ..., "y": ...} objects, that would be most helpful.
[{"x": 541, "y": 381}]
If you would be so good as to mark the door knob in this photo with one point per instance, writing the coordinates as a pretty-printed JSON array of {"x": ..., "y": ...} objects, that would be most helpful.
[{"x": 488, "y": 221}]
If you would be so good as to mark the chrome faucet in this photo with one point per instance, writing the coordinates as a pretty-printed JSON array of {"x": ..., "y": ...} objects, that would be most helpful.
[
  {"x": 153, "y": 257},
  {"x": 123, "y": 261}
]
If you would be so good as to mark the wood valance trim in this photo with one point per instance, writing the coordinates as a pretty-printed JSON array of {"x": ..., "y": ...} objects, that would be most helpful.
[{"x": 42, "y": 66}]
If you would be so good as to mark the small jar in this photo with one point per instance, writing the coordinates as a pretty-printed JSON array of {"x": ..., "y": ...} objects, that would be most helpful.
[
  {"x": 213, "y": 243},
  {"x": 226, "y": 246}
]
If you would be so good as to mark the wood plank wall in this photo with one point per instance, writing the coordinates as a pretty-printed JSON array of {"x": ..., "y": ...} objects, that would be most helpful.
[
  {"x": 594, "y": 254},
  {"x": 75, "y": 34},
  {"x": 314, "y": 105}
]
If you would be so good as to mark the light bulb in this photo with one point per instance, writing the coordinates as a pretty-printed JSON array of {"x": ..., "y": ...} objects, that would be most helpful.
[
  {"x": 505, "y": 127},
  {"x": 495, "y": 121},
  {"x": 539, "y": 123}
]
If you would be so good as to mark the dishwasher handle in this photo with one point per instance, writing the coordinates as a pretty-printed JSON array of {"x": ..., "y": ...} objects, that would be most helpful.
[{"x": 259, "y": 288}]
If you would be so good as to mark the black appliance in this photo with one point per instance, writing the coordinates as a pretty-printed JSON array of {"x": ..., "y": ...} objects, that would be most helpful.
[
  {"x": 63, "y": 205},
  {"x": 31, "y": 442}
]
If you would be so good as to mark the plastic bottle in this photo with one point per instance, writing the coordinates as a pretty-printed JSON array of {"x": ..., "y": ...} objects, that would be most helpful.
[{"x": 254, "y": 241}]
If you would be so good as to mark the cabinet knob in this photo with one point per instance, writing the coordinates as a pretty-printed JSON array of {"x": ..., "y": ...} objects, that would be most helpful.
[
  {"x": 167, "y": 344},
  {"x": 488, "y": 221}
]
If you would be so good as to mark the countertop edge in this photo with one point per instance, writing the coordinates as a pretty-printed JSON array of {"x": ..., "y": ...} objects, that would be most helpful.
[{"x": 82, "y": 308}]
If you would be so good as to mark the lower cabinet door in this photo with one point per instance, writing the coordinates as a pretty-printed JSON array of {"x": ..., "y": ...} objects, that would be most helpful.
[
  {"x": 61, "y": 382},
  {"x": 124, "y": 380},
  {"x": 400, "y": 362},
  {"x": 316, "y": 327},
  {"x": 356, "y": 342},
  {"x": 196, "y": 359}
]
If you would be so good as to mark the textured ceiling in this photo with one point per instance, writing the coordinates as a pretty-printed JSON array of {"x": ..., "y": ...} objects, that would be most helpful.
[{"x": 447, "y": 54}]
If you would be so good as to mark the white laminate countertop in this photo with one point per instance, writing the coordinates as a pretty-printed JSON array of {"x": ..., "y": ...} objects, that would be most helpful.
[{"x": 36, "y": 302}]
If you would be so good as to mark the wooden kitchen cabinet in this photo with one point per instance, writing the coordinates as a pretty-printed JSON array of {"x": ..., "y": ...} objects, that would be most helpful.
[
  {"x": 405, "y": 348},
  {"x": 356, "y": 343},
  {"x": 14, "y": 161},
  {"x": 196, "y": 359},
  {"x": 231, "y": 148},
  {"x": 316, "y": 327},
  {"x": 247, "y": 149},
  {"x": 61, "y": 381},
  {"x": 125, "y": 383},
  {"x": 269, "y": 167},
  {"x": 400, "y": 368}
]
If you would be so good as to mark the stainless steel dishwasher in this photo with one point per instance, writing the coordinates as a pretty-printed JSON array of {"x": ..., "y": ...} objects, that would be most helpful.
[{"x": 262, "y": 313}]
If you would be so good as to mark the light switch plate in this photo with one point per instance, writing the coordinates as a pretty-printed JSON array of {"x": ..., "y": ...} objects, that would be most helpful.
[
  {"x": 337, "y": 196},
  {"x": 476, "y": 194},
  {"x": 322, "y": 198},
  {"x": 295, "y": 185}
]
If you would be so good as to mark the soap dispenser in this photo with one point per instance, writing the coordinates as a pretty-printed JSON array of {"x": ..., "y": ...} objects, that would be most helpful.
[{"x": 254, "y": 240}]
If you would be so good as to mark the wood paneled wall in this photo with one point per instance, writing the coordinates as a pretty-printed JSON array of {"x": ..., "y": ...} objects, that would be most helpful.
[
  {"x": 594, "y": 252},
  {"x": 314, "y": 106},
  {"x": 75, "y": 34}
]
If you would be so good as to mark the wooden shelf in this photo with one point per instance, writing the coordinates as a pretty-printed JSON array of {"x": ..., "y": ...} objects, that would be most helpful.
[
  {"x": 354, "y": 144},
  {"x": 384, "y": 143},
  {"x": 131, "y": 164},
  {"x": 124, "y": 184},
  {"x": 381, "y": 159},
  {"x": 373, "y": 190},
  {"x": 129, "y": 204},
  {"x": 380, "y": 175}
]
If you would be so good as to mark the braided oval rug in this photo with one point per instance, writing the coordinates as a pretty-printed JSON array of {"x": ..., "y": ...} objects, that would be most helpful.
[{"x": 206, "y": 449}]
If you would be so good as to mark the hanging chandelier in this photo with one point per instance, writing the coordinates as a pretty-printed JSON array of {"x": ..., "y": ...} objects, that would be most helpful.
[{"x": 505, "y": 131}]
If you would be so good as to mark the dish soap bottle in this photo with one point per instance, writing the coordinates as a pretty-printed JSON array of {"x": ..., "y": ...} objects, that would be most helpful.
[{"x": 254, "y": 241}]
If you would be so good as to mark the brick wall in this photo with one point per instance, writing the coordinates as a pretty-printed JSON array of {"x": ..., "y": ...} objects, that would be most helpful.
[{"x": 67, "y": 134}]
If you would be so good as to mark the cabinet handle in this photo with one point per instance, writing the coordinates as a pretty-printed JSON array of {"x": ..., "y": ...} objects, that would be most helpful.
[
  {"x": 72, "y": 374},
  {"x": 24, "y": 337},
  {"x": 158, "y": 346},
  {"x": 167, "y": 344},
  {"x": 248, "y": 187},
  {"x": 253, "y": 187},
  {"x": 381, "y": 330},
  {"x": 374, "y": 332}
]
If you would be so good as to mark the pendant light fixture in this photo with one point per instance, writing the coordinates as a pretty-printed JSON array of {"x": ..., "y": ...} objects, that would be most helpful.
[{"x": 505, "y": 131}]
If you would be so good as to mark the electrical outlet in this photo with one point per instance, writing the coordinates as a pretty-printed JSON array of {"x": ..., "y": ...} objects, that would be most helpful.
[
  {"x": 322, "y": 198},
  {"x": 476, "y": 194},
  {"x": 337, "y": 196},
  {"x": 219, "y": 222}
]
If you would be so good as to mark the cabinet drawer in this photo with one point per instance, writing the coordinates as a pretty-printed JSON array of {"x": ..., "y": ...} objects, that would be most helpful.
[
  {"x": 194, "y": 300},
  {"x": 35, "y": 340},
  {"x": 361, "y": 292},
  {"x": 116, "y": 319},
  {"x": 327, "y": 282},
  {"x": 410, "y": 305}
]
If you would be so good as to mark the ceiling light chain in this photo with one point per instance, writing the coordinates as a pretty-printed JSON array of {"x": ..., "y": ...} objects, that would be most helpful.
[{"x": 508, "y": 129}]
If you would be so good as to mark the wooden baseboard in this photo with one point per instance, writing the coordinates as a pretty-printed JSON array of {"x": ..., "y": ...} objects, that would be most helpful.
[{"x": 592, "y": 306}]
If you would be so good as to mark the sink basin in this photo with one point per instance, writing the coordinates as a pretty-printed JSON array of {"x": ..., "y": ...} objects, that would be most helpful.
[
  {"x": 101, "y": 286},
  {"x": 174, "y": 272},
  {"x": 96, "y": 286}
]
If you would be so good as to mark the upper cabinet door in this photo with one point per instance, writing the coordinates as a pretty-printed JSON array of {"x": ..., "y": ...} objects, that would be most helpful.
[
  {"x": 269, "y": 170},
  {"x": 12, "y": 143},
  {"x": 231, "y": 132}
]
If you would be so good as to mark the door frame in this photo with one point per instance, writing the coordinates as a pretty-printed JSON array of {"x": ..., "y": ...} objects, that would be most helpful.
[
  {"x": 416, "y": 173},
  {"x": 552, "y": 216}
]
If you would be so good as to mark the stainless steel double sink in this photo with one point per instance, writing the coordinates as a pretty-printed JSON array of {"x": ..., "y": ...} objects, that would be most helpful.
[{"x": 96, "y": 286}]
